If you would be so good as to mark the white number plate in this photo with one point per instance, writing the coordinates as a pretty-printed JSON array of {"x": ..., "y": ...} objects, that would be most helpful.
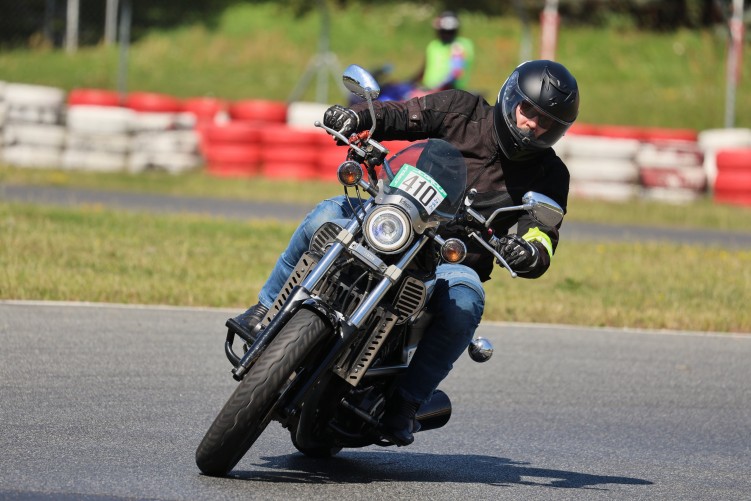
[{"x": 421, "y": 186}]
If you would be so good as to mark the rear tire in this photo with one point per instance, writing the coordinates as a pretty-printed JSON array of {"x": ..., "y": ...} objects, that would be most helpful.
[{"x": 245, "y": 415}]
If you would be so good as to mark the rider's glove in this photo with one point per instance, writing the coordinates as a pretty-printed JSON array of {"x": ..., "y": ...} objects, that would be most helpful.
[
  {"x": 341, "y": 119},
  {"x": 518, "y": 253}
]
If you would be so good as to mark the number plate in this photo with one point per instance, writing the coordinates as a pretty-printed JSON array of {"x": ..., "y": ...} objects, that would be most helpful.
[{"x": 421, "y": 186}]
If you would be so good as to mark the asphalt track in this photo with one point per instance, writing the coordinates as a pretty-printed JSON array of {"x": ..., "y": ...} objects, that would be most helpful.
[
  {"x": 236, "y": 209},
  {"x": 107, "y": 402}
]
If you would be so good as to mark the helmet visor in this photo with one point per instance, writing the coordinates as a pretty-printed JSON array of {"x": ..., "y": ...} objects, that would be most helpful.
[{"x": 530, "y": 125}]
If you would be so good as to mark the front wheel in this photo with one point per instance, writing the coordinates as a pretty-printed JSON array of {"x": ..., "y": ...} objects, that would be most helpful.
[{"x": 247, "y": 412}]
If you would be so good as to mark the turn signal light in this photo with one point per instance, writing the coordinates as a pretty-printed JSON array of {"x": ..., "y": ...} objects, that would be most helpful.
[
  {"x": 349, "y": 173},
  {"x": 453, "y": 251}
]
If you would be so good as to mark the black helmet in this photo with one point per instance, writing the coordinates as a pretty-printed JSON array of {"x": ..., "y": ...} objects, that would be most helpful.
[{"x": 541, "y": 89}]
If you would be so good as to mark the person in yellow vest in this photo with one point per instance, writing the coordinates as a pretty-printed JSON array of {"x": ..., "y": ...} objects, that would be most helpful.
[{"x": 448, "y": 58}]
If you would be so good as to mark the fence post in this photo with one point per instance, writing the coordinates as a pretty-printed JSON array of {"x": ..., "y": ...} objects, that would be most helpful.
[
  {"x": 110, "y": 22},
  {"x": 735, "y": 51},
  {"x": 71, "y": 26}
]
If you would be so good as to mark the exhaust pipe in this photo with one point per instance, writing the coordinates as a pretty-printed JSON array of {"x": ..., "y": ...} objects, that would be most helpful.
[{"x": 434, "y": 413}]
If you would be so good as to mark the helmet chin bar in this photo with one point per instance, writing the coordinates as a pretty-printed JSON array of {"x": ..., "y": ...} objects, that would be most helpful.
[
  {"x": 527, "y": 137},
  {"x": 510, "y": 146}
]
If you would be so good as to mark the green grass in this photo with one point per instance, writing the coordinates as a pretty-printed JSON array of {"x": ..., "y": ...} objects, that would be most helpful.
[
  {"x": 261, "y": 51},
  {"x": 92, "y": 254}
]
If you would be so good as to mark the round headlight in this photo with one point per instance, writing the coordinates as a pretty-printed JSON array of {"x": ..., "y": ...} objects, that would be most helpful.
[{"x": 387, "y": 230}]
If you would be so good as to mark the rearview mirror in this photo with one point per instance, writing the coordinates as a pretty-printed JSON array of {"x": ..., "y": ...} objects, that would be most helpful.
[
  {"x": 543, "y": 208},
  {"x": 360, "y": 82}
]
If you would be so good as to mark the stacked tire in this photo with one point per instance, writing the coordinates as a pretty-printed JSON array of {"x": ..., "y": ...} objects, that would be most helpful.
[
  {"x": 258, "y": 111},
  {"x": 713, "y": 141},
  {"x": 330, "y": 156},
  {"x": 733, "y": 181},
  {"x": 32, "y": 129},
  {"x": 206, "y": 110},
  {"x": 290, "y": 152},
  {"x": 232, "y": 143},
  {"x": 602, "y": 166},
  {"x": 232, "y": 149},
  {"x": 671, "y": 166},
  {"x": 620, "y": 163},
  {"x": 164, "y": 134},
  {"x": 99, "y": 132}
]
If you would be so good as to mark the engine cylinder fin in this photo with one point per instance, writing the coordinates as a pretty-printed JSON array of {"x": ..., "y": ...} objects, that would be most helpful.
[
  {"x": 323, "y": 237},
  {"x": 410, "y": 298}
]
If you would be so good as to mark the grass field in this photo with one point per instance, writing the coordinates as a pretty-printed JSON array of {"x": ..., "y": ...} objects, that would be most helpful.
[
  {"x": 261, "y": 51},
  {"x": 94, "y": 254}
]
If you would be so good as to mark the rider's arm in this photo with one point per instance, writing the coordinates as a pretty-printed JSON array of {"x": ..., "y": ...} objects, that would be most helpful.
[
  {"x": 414, "y": 119},
  {"x": 553, "y": 183}
]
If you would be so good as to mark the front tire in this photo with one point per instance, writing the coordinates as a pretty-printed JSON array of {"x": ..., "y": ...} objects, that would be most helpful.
[{"x": 246, "y": 414}]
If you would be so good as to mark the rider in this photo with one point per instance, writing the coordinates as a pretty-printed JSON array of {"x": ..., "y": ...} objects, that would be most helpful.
[
  {"x": 507, "y": 150},
  {"x": 448, "y": 58}
]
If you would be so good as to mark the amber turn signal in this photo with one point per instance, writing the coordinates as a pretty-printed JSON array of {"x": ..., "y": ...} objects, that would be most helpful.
[
  {"x": 349, "y": 173},
  {"x": 453, "y": 251}
]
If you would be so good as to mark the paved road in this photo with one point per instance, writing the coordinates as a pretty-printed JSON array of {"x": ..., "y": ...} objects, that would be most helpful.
[
  {"x": 235, "y": 209},
  {"x": 109, "y": 402}
]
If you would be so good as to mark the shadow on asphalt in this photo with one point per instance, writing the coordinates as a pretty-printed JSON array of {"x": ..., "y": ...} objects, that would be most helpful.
[{"x": 366, "y": 467}]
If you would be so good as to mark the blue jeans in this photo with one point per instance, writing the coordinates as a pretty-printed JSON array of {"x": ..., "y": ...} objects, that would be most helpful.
[{"x": 456, "y": 305}]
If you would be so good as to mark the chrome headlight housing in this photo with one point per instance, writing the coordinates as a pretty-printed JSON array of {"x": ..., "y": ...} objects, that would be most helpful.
[{"x": 388, "y": 229}]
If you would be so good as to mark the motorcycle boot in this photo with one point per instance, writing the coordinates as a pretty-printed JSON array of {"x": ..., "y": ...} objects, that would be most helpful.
[
  {"x": 248, "y": 324},
  {"x": 399, "y": 423}
]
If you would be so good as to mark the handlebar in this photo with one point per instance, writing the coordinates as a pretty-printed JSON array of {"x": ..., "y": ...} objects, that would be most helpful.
[
  {"x": 489, "y": 245},
  {"x": 366, "y": 149}
]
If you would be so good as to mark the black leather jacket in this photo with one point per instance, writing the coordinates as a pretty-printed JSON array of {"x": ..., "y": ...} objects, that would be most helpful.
[{"x": 466, "y": 121}]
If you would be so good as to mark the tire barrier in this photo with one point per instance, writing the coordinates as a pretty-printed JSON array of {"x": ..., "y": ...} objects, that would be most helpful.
[
  {"x": 206, "y": 110},
  {"x": 32, "y": 125},
  {"x": 733, "y": 180},
  {"x": 231, "y": 149},
  {"x": 621, "y": 162},
  {"x": 151, "y": 102},
  {"x": 712, "y": 141},
  {"x": 601, "y": 166},
  {"x": 173, "y": 151},
  {"x": 34, "y": 103},
  {"x": 290, "y": 152},
  {"x": 95, "y": 97},
  {"x": 304, "y": 114},
  {"x": 258, "y": 110},
  {"x": 671, "y": 170},
  {"x": 97, "y": 129}
]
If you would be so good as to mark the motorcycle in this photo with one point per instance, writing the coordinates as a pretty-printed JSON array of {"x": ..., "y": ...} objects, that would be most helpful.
[
  {"x": 392, "y": 90},
  {"x": 352, "y": 313}
]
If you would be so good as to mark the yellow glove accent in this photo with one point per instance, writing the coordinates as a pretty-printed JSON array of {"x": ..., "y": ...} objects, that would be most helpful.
[{"x": 536, "y": 235}]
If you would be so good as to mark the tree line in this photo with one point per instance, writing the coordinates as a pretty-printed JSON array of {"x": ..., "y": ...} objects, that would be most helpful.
[{"x": 42, "y": 22}]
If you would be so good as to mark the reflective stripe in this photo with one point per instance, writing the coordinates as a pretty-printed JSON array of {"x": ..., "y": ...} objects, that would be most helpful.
[{"x": 536, "y": 235}]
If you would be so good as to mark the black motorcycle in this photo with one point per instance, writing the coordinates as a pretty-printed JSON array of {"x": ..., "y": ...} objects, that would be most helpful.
[{"x": 352, "y": 313}]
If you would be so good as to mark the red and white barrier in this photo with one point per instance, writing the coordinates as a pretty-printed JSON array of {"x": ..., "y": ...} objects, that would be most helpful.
[{"x": 100, "y": 130}]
